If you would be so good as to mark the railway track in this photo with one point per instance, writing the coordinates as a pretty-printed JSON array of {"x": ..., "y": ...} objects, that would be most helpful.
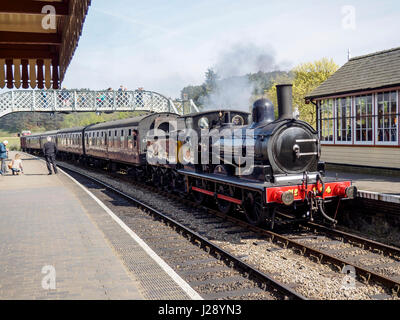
[
  {"x": 308, "y": 243},
  {"x": 212, "y": 271},
  {"x": 315, "y": 236}
]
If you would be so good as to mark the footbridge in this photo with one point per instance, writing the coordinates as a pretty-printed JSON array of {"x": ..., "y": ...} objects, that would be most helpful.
[{"x": 90, "y": 101}]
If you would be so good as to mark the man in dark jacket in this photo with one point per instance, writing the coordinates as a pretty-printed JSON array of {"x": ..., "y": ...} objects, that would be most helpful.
[
  {"x": 50, "y": 151},
  {"x": 3, "y": 157}
]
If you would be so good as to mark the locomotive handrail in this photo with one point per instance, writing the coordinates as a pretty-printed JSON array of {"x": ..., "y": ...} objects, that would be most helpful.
[{"x": 89, "y": 101}]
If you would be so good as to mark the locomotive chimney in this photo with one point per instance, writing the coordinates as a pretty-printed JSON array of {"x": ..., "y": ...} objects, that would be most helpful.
[{"x": 284, "y": 93}]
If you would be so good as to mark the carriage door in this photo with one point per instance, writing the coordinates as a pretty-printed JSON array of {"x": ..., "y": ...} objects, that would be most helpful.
[{"x": 135, "y": 143}]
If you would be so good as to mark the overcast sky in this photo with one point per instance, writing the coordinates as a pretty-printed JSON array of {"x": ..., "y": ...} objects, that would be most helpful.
[{"x": 165, "y": 45}]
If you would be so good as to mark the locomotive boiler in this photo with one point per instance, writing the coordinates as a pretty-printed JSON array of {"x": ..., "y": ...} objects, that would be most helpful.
[{"x": 280, "y": 148}]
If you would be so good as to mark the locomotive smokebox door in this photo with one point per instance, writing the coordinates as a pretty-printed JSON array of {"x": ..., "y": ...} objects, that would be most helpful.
[{"x": 295, "y": 149}]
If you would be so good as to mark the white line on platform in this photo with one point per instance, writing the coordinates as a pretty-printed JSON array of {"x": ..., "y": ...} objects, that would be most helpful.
[
  {"x": 182, "y": 283},
  {"x": 174, "y": 276}
]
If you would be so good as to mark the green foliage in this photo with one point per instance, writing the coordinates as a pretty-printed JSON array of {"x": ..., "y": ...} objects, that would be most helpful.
[
  {"x": 263, "y": 81},
  {"x": 307, "y": 77},
  {"x": 87, "y": 118},
  {"x": 211, "y": 80},
  {"x": 35, "y": 122},
  {"x": 14, "y": 143},
  {"x": 195, "y": 93},
  {"x": 41, "y": 122}
]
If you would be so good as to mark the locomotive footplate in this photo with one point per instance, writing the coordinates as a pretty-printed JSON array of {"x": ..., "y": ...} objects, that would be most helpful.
[{"x": 233, "y": 181}]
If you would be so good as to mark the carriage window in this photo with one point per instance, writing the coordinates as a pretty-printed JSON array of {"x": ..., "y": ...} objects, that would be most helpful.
[
  {"x": 109, "y": 133},
  {"x": 204, "y": 123},
  {"x": 115, "y": 132},
  {"x": 122, "y": 133}
]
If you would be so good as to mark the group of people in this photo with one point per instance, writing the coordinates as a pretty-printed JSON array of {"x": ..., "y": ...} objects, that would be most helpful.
[{"x": 16, "y": 167}]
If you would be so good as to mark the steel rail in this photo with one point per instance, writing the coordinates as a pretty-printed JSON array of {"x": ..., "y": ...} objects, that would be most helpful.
[
  {"x": 368, "y": 244},
  {"x": 221, "y": 254},
  {"x": 364, "y": 243}
]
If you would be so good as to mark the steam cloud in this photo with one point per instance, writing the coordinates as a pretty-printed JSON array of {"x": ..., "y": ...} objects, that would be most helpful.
[{"x": 235, "y": 89}]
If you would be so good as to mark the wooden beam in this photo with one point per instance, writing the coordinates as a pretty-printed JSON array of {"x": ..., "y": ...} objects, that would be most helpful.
[
  {"x": 32, "y": 7},
  {"x": 28, "y": 52},
  {"x": 15, "y": 54},
  {"x": 29, "y": 38}
]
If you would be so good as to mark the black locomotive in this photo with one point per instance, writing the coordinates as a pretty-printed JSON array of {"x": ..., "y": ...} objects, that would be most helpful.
[{"x": 206, "y": 156}]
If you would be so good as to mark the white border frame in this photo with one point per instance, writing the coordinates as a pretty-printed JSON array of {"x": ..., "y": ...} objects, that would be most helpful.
[
  {"x": 363, "y": 143},
  {"x": 323, "y": 142},
  {"x": 337, "y": 142},
  {"x": 386, "y": 143}
]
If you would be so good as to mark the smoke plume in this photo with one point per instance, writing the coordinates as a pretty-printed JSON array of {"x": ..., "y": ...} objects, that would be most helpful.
[{"x": 235, "y": 89}]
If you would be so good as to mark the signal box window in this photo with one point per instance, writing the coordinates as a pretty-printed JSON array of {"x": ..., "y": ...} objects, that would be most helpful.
[
  {"x": 387, "y": 110},
  {"x": 363, "y": 119}
]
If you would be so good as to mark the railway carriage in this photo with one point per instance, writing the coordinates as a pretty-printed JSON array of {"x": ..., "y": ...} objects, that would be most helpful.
[
  {"x": 69, "y": 143},
  {"x": 123, "y": 141},
  {"x": 32, "y": 143}
]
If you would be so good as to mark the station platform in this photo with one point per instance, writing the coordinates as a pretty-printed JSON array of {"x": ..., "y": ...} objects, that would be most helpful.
[
  {"x": 370, "y": 186},
  {"x": 57, "y": 242}
]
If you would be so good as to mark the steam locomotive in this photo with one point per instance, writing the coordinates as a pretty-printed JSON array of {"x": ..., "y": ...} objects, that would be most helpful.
[{"x": 250, "y": 163}]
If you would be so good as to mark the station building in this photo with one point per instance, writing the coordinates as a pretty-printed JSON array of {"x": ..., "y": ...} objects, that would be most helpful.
[{"x": 358, "y": 112}]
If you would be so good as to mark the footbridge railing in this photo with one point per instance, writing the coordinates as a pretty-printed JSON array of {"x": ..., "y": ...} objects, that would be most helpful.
[{"x": 90, "y": 101}]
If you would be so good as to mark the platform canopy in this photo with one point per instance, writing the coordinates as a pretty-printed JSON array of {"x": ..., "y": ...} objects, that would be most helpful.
[{"x": 38, "y": 39}]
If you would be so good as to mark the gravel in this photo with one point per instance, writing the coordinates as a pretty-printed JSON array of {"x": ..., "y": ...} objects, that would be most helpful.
[{"x": 313, "y": 280}]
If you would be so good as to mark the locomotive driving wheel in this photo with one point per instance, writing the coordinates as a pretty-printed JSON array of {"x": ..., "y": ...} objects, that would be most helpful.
[
  {"x": 179, "y": 185},
  {"x": 132, "y": 172},
  {"x": 254, "y": 209},
  {"x": 223, "y": 205},
  {"x": 155, "y": 177},
  {"x": 168, "y": 180},
  {"x": 199, "y": 198}
]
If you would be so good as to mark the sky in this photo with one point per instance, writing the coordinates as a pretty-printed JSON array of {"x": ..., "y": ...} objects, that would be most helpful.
[{"x": 164, "y": 45}]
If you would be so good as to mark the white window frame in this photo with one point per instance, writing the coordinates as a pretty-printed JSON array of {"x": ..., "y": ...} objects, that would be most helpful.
[
  {"x": 324, "y": 142},
  {"x": 366, "y": 143},
  {"x": 386, "y": 143},
  {"x": 337, "y": 142}
]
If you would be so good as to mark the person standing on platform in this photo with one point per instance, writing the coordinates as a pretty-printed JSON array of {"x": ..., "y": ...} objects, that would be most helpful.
[
  {"x": 50, "y": 151},
  {"x": 3, "y": 157}
]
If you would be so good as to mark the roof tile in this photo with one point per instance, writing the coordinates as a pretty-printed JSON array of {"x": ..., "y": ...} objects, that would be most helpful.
[{"x": 372, "y": 71}]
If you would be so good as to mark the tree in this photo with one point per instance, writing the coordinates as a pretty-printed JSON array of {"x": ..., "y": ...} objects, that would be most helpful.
[
  {"x": 307, "y": 77},
  {"x": 195, "y": 93},
  {"x": 211, "y": 80}
]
